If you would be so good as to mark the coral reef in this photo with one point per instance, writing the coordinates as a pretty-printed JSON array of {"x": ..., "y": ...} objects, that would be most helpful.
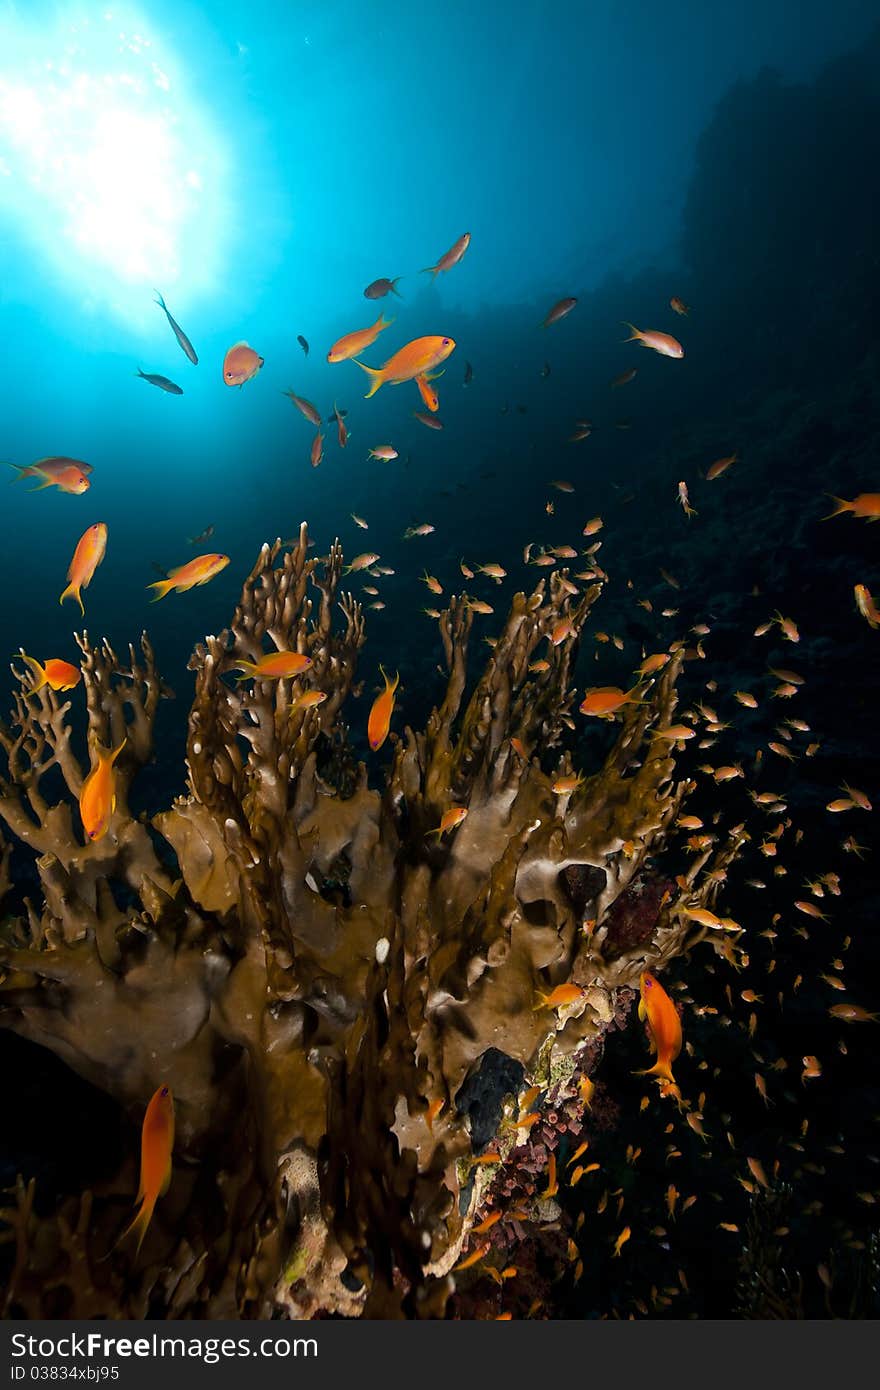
[{"x": 317, "y": 979}]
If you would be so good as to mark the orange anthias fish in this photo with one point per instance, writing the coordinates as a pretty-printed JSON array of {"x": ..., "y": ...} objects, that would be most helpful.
[
  {"x": 58, "y": 675},
  {"x": 275, "y": 666},
  {"x": 720, "y": 466},
  {"x": 68, "y": 475},
  {"x": 352, "y": 343},
  {"x": 664, "y": 1024},
  {"x": 663, "y": 343},
  {"x": 196, "y": 571},
  {"x": 87, "y": 557},
  {"x": 449, "y": 820},
  {"x": 379, "y": 721},
  {"x": 415, "y": 358},
  {"x": 559, "y": 311},
  {"x": 427, "y": 392},
  {"x": 867, "y": 504},
  {"x": 97, "y": 799},
  {"x": 558, "y": 998},
  {"x": 317, "y": 450},
  {"x": 605, "y": 700},
  {"x": 866, "y": 605},
  {"x": 679, "y": 306},
  {"x": 157, "y": 1143},
  {"x": 450, "y": 258},
  {"x": 240, "y": 364}
]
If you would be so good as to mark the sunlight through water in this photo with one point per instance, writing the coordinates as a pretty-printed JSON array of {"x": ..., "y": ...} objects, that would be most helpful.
[{"x": 108, "y": 164}]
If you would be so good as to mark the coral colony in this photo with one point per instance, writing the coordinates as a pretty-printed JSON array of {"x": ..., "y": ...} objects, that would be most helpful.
[{"x": 361, "y": 1022}]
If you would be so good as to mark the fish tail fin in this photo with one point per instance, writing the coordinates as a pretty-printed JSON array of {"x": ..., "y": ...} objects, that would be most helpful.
[
  {"x": 247, "y": 669},
  {"x": 634, "y": 332},
  {"x": 37, "y": 671},
  {"x": 21, "y": 471},
  {"x": 73, "y": 591},
  {"x": 159, "y": 300},
  {"x": 842, "y": 506},
  {"x": 162, "y": 587},
  {"x": 541, "y": 1004},
  {"x": 431, "y": 270},
  {"x": 113, "y": 753},
  {"x": 140, "y": 1223},
  {"x": 382, "y": 322},
  {"x": 661, "y": 1069},
  {"x": 394, "y": 289},
  {"x": 375, "y": 375}
]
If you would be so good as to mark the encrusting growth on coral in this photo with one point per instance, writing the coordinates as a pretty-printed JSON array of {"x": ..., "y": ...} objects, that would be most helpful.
[{"x": 315, "y": 976}]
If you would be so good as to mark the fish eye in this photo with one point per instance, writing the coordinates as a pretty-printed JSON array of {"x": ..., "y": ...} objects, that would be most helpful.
[
  {"x": 445, "y": 342},
  {"x": 164, "y": 1091}
]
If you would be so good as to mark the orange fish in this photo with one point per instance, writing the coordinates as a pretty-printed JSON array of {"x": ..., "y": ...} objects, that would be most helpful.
[
  {"x": 867, "y": 504},
  {"x": 866, "y": 605},
  {"x": 240, "y": 364},
  {"x": 58, "y": 675},
  {"x": 197, "y": 571},
  {"x": 274, "y": 666},
  {"x": 450, "y": 258},
  {"x": 427, "y": 392},
  {"x": 341, "y": 431},
  {"x": 380, "y": 715},
  {"x": 87, "y": 557},
  {"x": 853, "y": 1013},
  {"x": 97, "y": 799},
  {"x": 449, "y": 820},
  {"x": 604, "y": 701},
  {"x": 317, "y": 450},
  {"x": 386, "y": 452},
  {"x": 664, "y": 1024},
  {"x": 68, "y": 475},
  {"x": 720, "y": 466},
  {"x": 558, "y": 998},
  {"x": 157, "y": 1142},
  {"x": 415, "y": 358},
  {"x": 679, "y": 306},
  {"x": 663, "y": 343},
  {"x": 559, "y": 311},
  {"x": 352, "y": 343}
]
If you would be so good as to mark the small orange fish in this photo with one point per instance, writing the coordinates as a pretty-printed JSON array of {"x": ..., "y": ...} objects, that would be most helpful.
[
  {"x": 685, "y": 501},
  {"x": 474, "y": 1258},
  {"x": 621, "y": 1240},
  {"x": 415, "y": 358},
  {"x": 58, "y": 675},
  {"x": 312, "y": 414},
  {"x": 664, "y": 1024},
  {"x": 604, "y": 701},
  {"x": 379, "y": 720},
  {"x": 341, "y": 431},
  {"x": 241, "y": 364},
  {"x": 563, "y": 786},
  {"x": 450, "y": 257},
  {"x": 678, "y": 306},
  {"x": 867, "y": 505},
  {"x": 353, "y": 343},
  {"x": 87, "y": 556},
  {"x": 853, "y": 1013},
  {"x": 316, "y": 453},
  {"x": 559, "y": 311},
  {"x": 274, "y": 666},
  {"x": 491, "y": 1220},
  {"x": 68, "y": 475},
  {"x": 663, "y": 343},
  {"x": 157, "y": 1143},
  {"x": 427, "y": 392},
  {"x": 309, "y": 699},
  {"x": 432, "y": 1112},
  {"x": 386, "y": 452},
  {"x": 558, "y": 998},
  {"x": 195, "y": 572},
  {"x": 449, "y": 820},
  {"x": 97, "y": 799},
  {"x": 720, "y": 466},
  {"x": 866, "y": 605}
]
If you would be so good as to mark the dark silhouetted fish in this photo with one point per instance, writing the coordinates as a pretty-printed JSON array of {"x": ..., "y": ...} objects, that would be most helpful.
[
  {"x": 468, "y": 373},
  {"x": 337, "y": 415},
  {"x": 303, "y": 344},
  {"x": 430, "y": 420},
  {"x": 545, "y": 370},
  {"x": 162, "y": 382},
  {"x": 203, "y": 536},
  {"x": 379, "y": 288},
  {"x": 178, "y": 332}
]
